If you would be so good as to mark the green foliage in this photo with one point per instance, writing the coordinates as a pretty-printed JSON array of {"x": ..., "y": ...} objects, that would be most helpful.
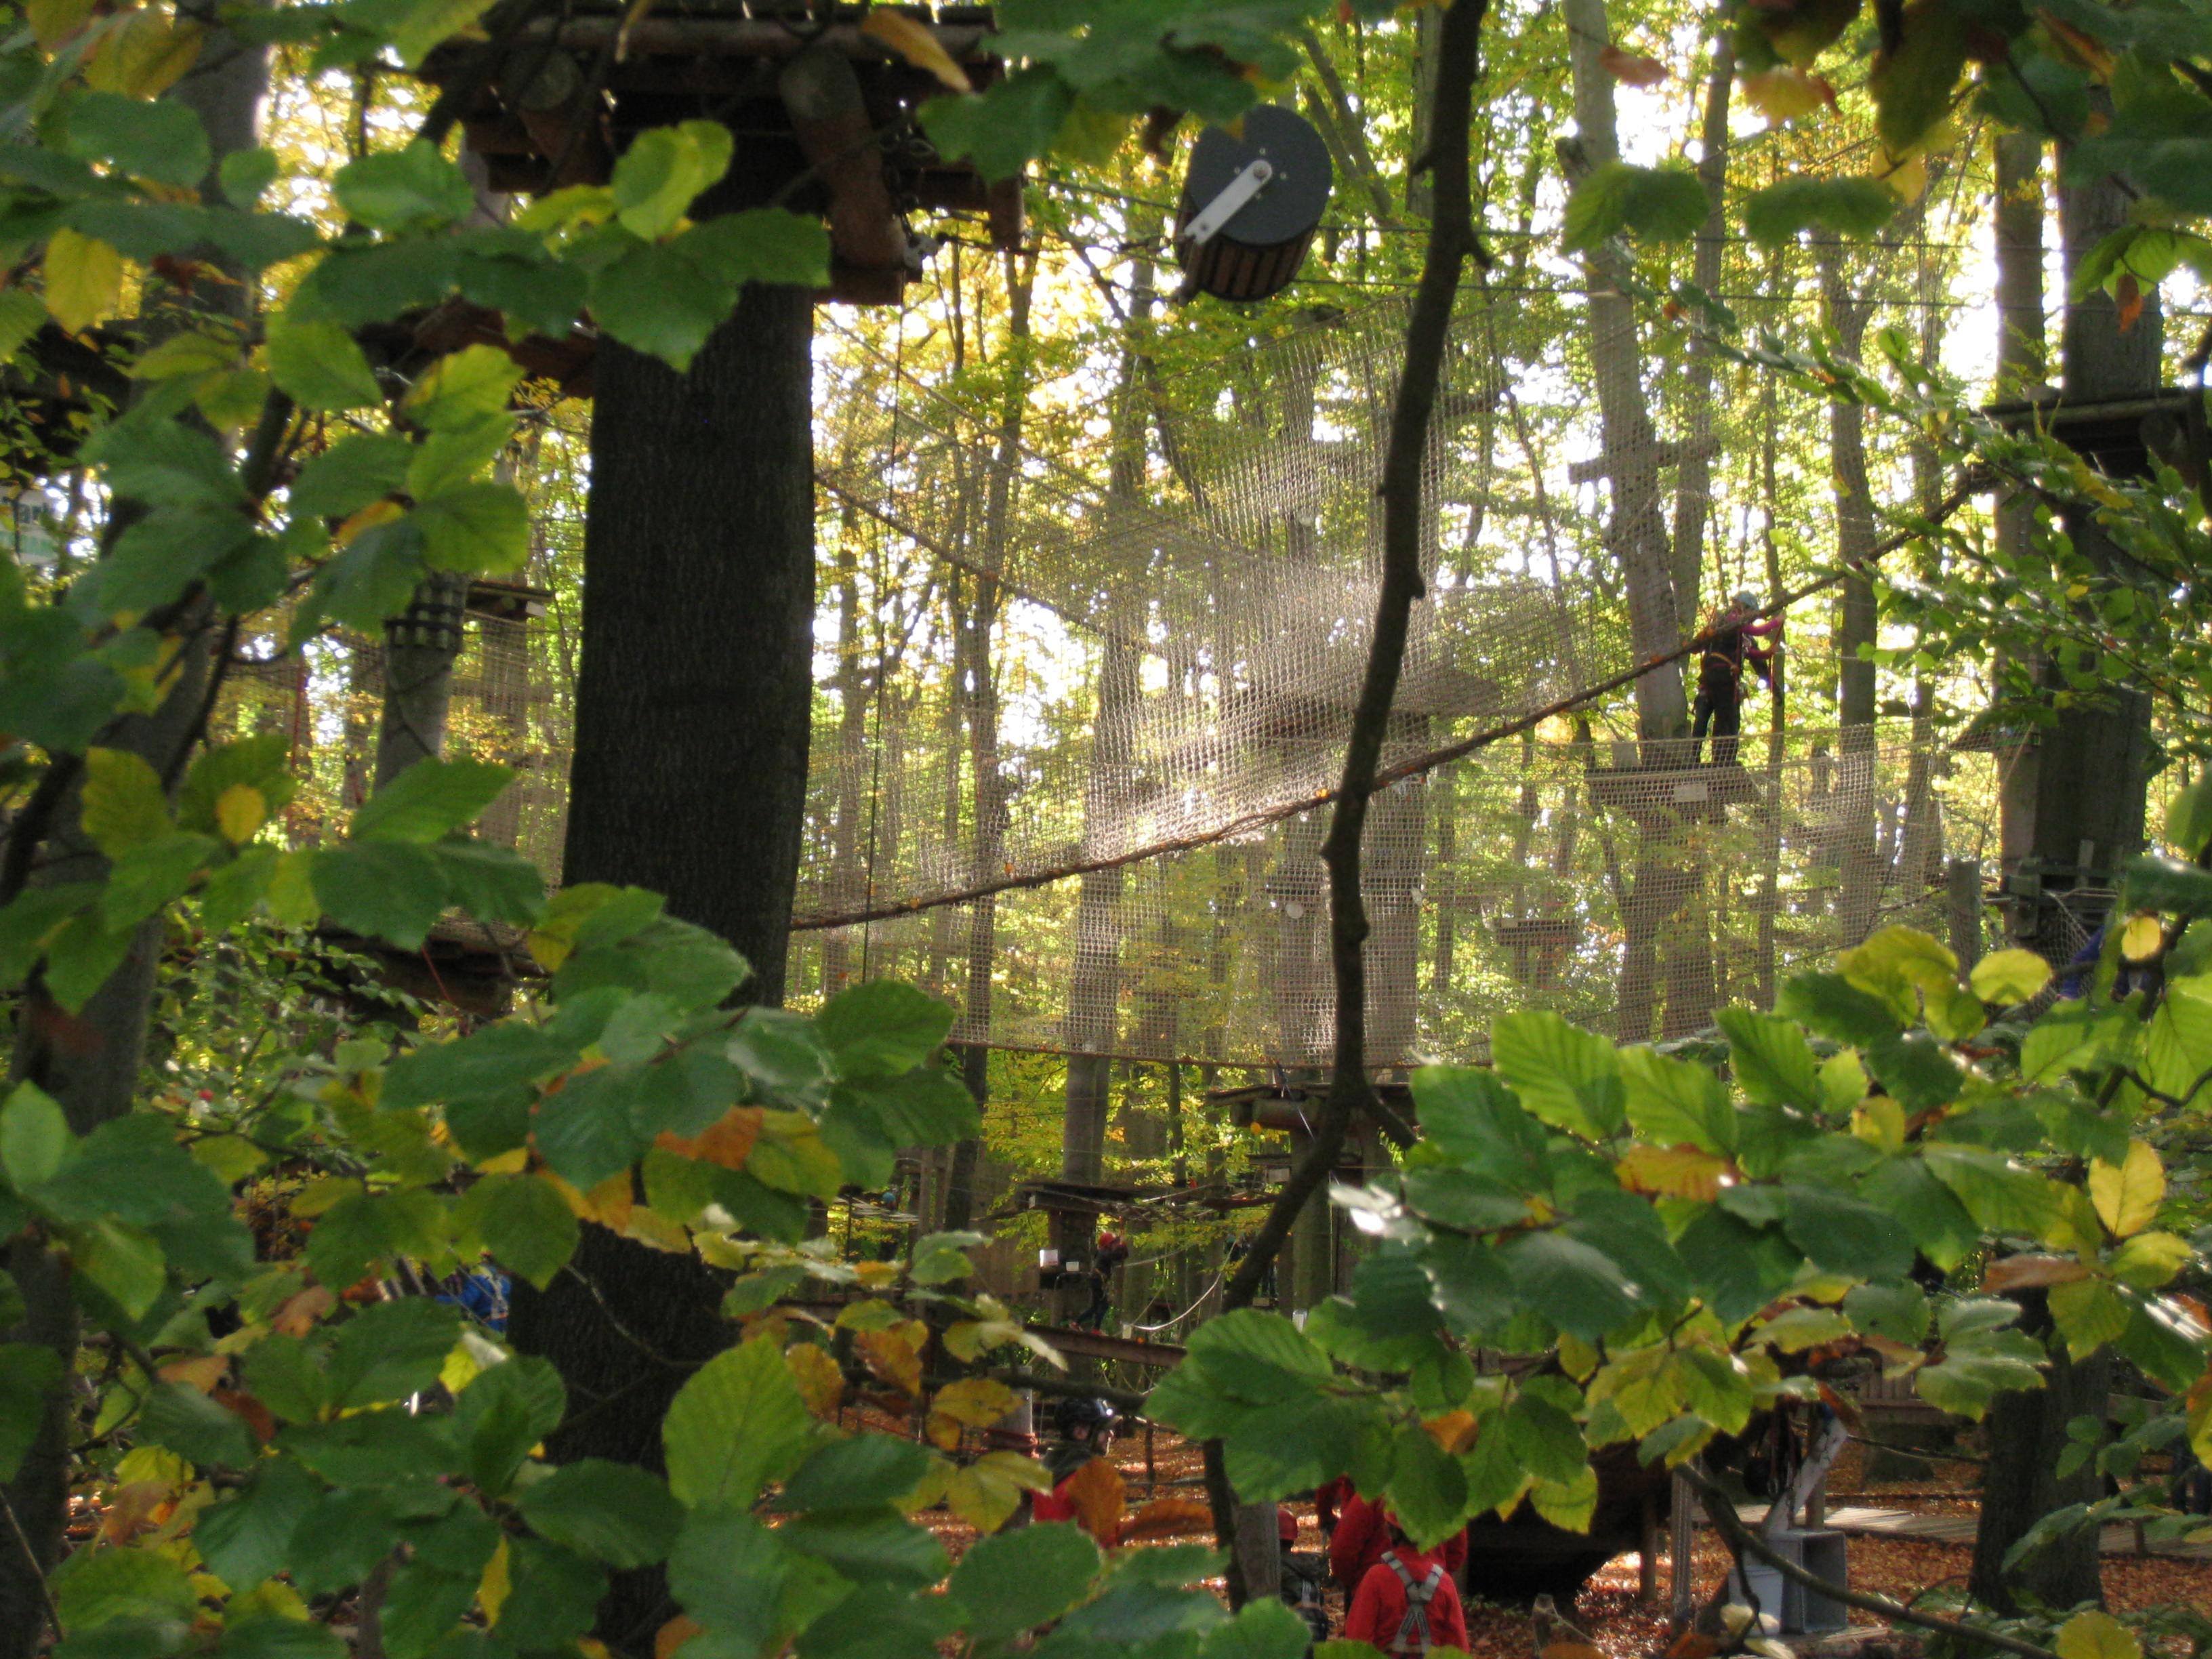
[{"x": 1660, "y": 204}]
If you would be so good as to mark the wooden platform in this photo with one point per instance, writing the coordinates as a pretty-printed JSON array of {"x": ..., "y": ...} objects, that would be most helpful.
[
  {"x": 1672, "y": 788},
  {"x": 1872, "y": 1523}
]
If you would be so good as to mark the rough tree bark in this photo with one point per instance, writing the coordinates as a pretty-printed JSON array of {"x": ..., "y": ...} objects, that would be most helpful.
[
  {"x": 1693, "y": 483},
  {"x": 689, "y": 778},
  {"x": 2018, "y": 226},
  {"x": 1450, "y": 242}
]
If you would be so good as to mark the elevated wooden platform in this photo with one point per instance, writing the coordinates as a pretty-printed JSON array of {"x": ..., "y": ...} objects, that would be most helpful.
[{"x": 1653, "y": 790}]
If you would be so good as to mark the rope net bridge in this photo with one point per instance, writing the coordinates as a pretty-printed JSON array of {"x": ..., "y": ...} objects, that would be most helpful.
[{"x": 1074, "y": 721}]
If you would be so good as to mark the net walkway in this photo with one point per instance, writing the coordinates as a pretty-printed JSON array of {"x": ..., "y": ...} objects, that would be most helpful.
[{"x": 1074, "y": 720}]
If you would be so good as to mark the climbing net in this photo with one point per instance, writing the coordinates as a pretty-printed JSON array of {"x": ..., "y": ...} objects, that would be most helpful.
[{"x": 1079, "y": 714}]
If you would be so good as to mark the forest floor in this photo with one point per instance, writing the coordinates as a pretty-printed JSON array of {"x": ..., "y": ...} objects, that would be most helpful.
[{"x": 1624, "y": 1627}]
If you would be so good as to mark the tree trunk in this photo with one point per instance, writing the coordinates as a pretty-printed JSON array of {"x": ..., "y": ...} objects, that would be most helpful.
[
  {"x": 2019, "y": 235},
  {"x": 2027, "y": 1437},
  {"x": 689, "y": 778},
  {"x": 419, "y": 648},
  {"x": 1847, "y": 317},
  {"x": 1693, "y": 483}
]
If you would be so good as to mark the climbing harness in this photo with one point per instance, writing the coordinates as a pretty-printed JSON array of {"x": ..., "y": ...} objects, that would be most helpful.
[{"x": 1412, "y": 1637}]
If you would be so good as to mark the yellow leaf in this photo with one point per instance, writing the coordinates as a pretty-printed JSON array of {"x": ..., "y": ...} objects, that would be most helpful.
[
  {"x": 2140, "y": 939},
  {"x": 1784, "y": 95},
  {"x": 2094, "y": 1634},
  {"x": 492, "y": 1588},
  {"x": 609, "y": 1203},
  {"x": 988, "y": 1491},
  {"x": 239, "y": 811},
  {"x": 913, "y": 40},
  {"x": 1672, "y": 1172},
  {"x": 53, "y": 21},
  {"x": 650, "y": 1228},
  {"x": 976, "y": 1401},
  {"x": 591, "y": 1648},
  {"x": 1879, "y": 1122},
  {"x": 203, "y": 1372},
  {"x": 368, "y": 517},
  {"x": 2150, "y": 1260},
  {"x": 1906, "y": 180},
  {"x": 674, "y": 1634},
  {"x": 317, "y": 1196},
  {"x": 820, "y": 1384},
  {"x": 2009, "y": 977},
  {"x": 876, "y": 1274},
  {"x": 514, "y": 1161},
  {"x": 84, "y": 279},
  {"x": 145, "y": 56},
  {"x": 1453, "y": 1432},
  {"x": 894, "y": 1355},
  {"x": 2127, "y": 1196}
]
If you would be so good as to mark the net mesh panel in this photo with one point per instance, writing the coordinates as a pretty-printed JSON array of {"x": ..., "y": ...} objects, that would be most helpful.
[{"x": 1073, "y": 721}]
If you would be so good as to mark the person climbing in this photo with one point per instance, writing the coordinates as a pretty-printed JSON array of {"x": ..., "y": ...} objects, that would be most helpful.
[
  {"x": 1733, "y": 643},
  {"x": 1363, "y": 1534},
  {"x": 1408, "y": 1603},
  {"x": 1084, "y": 1428},
  {"x": 1109, "y": 1254}
]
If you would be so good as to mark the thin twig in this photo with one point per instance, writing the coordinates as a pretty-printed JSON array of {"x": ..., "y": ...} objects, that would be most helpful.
[{"x": 30, "y": 1555}]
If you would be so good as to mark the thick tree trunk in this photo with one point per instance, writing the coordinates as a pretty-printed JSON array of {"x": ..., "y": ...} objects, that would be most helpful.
[
  {"x": 689, "y": 778},
  {"x": 419, "y": 648},
  {"x": 2018, "y": 234},
  {"x": 2027, "y": 1437},
  {"x": 1693, "y": 483}
]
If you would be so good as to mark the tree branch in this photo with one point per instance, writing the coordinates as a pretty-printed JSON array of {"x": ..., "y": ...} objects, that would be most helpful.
[
  {"x": 1450, "y": 242},
  {"x": 1740, "y": 1539}
]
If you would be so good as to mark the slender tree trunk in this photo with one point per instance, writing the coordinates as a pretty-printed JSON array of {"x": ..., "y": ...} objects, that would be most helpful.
[
  {"x": 1847, "y": 317},
  {"x": 89, "y": 1062},
  {"x": 1695, "y": 481},
  {"x": 2019, "y": 235},
  {"x": 692, "y": 714}
]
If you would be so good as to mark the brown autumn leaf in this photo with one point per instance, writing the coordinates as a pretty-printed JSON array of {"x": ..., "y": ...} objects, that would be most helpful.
[
  {"x": 2022, "y": 1273},
  {"x": 257, "y": 1416},
  {"x": 820, "y": 1384},
  {"x": 1168, "y": 1517},
  {"x": 2128, "y": 294},
  {"x": 1674, "y": 1172},
  {"x": 133, "y": 1508},
  {"x": 1571, "y": 1650},
  {"x": 2085, "y": 51},
  {"x": 727, "y": 1142},
  {"x": 1099, "y": 1495},
  {"x": 674, "y": 1634},
  {"x": 300, "y": 1311},
  {"x": 1692, "y": 1643},
  {"x": 1630, "y": 68},
  {"x": 1845, "y": 1408}
]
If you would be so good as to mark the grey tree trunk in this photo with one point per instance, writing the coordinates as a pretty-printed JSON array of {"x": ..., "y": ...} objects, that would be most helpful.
[
  {"x": 1693, "y": 483},
  {"x": 2020, "y": 349}
]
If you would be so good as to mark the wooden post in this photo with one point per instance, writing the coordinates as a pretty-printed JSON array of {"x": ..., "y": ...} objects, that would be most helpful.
[
  {"x": 1647, "y": 1553},
  {"x": 1151, "y": 1472},
  {"x": 1681, "y": 1545},
  {"x": 1259, "y": 1551},
  {"x": 1963, "y": 900}
]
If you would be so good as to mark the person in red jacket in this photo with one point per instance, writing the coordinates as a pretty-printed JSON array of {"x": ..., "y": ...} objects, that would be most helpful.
[
  {"x": 1406, "y": 1604},
  {"x": 1086, "y": 1434},
  {"x": 1330, "y": 1497},
  {"x": 1363, "y": 1534}
]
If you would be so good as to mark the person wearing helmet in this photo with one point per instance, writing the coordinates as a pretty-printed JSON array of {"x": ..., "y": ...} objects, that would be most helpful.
[
  {"x": 1406, "y": 1604},
  {"x": 1734, "y": 642},
  {"x": 1363, "y": 1534},
  {"x": 1084, "y": 1430}
]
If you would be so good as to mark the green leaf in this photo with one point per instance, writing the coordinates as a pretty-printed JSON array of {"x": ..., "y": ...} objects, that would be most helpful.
[
  {"x": 1915, "y": 1069},
  {"x": 1578, "y": 1288},
  {"x": 883, "y": 1027},
  {"x": 161, "y": 140},
  {"x": 464, "y": 390},
  {"x": 2090, "y": 1313},
  {"x": 663, "y": 170},
  {"x": 870, "y": 1546},
  {"x": 1567, "y": 1505},
  {"x": 1660, "y": 204},
  {"x": 245, "y": 1539},
  {"x": 502, "y": 1413},
  {"x": 1428, "y": 1491},
  {"x": 126, "y": 1264},
  {"x": 348, "y": 475},
  {"x": 527, "y": 1226},
  {"x": 411, "y": 188},
  {"x": 491, "y": 883},
  {"x": 1850, "y": 207},
  {"x": 246, "y": 174},
  {"x": 942, "y": 1258},
  {"x": 737, "y": 1424},
  {"x": 613, "y": 1512},
  {"x": 424, "y": 24},
  {"x": 1261, "y": 1358},
  {"x": 1004, "y": 128},
  {"x": 29, "y": 1374},
  {"x": 1913, "y": 81},
  {"x": 1262, "y": 1630},
  {"x": 1844, "y": 1235},
  {"x": 1973, "y": 1372},
  {"x": 658, "y": 299},
  {"x": 865, "y": 1471},
  {"x": 1772, "y": 1063},
  {"x": 366, "y": 1230},
  {"x": 1473, "y": 1287},
  {"x": 742, "y": 1581},
  {"x": 35, "y": 1137},
  {"x": 1015, "y": 1581},
  {"x": 2010, "y": 976},
  {"x": 125, "y": 805},
  {"x": 1673, "y": 1103},
  {"x": 146, "y": 878},
  {"x": 456, "y": 454},
  {"x": 165, "y": 462},
  {"x": 21, "y": 315},
  {"x": 770, "y": 246},
  {"x": 391, "y": 1350},
  {"x": 195, "y": 1427},
  {"x": 1495, "y": 1477},
  {"x": 2002, "y": 1195},
  {"x": 386, "y": 889},
  {"x": 471, "y": 527},
  {"x": 317, "y": 365},
  {"x": 431, "y": 799},
  {"x": 1833, "y": 1008},
  {"x": 370, "y": 581},
  {"x": 554, "y": 1596},
  {"x": 1570, "y": 1078},
  {"x": 94, "y": 1587}
]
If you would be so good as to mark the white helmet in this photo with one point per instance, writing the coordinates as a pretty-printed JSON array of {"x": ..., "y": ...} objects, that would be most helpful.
[{"x": 1746, "y": 598}]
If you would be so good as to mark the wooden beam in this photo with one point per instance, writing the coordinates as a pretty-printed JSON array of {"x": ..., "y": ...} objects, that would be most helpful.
[{"x": 745, "y": 37}]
